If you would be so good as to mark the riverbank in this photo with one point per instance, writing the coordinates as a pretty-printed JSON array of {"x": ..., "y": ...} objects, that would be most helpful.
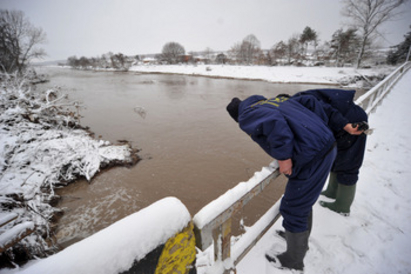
[
  {"x": 343, "y": 77},
  {"x": 42, "y": 147}
]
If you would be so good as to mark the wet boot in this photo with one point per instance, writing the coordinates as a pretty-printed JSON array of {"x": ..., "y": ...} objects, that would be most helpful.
[
  {"x": 343, "y": 201},
  {"x": 331, "y": 191},
  {"x": 293, "y": 258}
]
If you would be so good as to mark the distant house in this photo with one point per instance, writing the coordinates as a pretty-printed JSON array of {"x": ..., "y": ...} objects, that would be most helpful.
[
  {"x": 185, "y": 58},
  {"x": 199, "y": 59},
  {"x": 149, "y": 61}
]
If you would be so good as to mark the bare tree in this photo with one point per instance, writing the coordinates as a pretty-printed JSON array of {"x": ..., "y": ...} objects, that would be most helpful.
[
  {"x": 18, "y": 41},
  {"x": 234, "y": 53},
  {"x": 278, "y": 53},
  {"x": 208, "y": 54},
  {"x": 250, "y": 49},
  {"x": 221, "y": 58},
  {"x": 172, "y": 51},
  {"x": 292, "y": 50},
  {"x": 246, "y": 52},
  {"x": 367, "y": 16}
]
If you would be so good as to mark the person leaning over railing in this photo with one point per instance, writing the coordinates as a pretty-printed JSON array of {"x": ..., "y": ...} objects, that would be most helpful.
[
  {"x": 297, "y": 136},
  {"x": 350, "y": 148}
]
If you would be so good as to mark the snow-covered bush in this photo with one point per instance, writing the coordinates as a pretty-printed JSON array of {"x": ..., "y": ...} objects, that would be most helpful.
[{"x": 42, "y": 146}]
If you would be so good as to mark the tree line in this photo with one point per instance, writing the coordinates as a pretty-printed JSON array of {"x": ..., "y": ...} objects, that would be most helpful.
[{"x": 105, "y": 61}]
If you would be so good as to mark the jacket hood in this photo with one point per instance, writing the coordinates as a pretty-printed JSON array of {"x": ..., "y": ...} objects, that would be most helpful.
[{"x": 339, "y": 99}]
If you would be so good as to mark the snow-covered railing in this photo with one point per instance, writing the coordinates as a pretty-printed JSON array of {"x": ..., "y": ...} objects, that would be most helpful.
[
  {"x": 213, "y": 222},
  {"x": 370, "y": 100},
  {"x": 156, "y": 239}
]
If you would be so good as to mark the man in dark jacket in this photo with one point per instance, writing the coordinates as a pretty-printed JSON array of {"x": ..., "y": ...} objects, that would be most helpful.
[
  {"x": 350, "y": 148},
  {"x": 304, "y": 146},
  {"x": 296, "y": 133}
]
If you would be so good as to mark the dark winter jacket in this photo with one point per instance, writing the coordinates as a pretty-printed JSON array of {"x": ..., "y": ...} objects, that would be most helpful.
[
  {"x": 350, "y": 147},
  {"x": 286, "y": 129}
]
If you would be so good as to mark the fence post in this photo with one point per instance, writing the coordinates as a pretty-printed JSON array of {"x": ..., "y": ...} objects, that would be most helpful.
[{"x": 222, "y": 237}]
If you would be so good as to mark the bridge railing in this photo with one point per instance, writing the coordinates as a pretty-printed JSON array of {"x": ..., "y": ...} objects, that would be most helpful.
[
  {"x": 213, "y": 222},
  {"x": 370, "y": 100}
]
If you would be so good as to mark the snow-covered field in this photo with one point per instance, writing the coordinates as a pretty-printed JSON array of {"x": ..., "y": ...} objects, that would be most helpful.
[
  {"x": 346, "y": 76},
  {"x": 376, "y": 238}
]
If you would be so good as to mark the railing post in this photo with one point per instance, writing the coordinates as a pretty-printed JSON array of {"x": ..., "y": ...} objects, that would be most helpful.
[
  {"x": 213, "y": 223},
  {"x": 222, "y": 242}
]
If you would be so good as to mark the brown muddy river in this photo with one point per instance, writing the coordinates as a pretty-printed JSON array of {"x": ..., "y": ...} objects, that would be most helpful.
[{"x": 190, "y": 147}]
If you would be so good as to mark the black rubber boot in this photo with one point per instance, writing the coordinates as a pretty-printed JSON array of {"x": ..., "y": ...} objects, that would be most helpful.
[
  {"x": 310, "y": 223},
  {"x": 281, "y": 233},
  {"x": 293, "y": 258}
]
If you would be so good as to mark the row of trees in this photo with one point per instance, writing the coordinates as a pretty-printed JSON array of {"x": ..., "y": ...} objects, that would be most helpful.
[
  {"x": 108, "y": 60},
  {"x": 352, "y": 45},
  {"x": 341, "y": 49}
]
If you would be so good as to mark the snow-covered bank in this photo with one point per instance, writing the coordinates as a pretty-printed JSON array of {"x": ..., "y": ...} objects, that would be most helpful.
[
  {"x": 41, "y": 147},
  {"x": 346, "y": 76}
]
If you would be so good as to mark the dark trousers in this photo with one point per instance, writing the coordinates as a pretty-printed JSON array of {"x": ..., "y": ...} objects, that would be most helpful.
[{"x": 302, "y": 191}]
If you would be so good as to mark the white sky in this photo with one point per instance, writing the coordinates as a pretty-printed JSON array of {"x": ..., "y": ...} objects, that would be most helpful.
[{"x": 93, "y": 27}]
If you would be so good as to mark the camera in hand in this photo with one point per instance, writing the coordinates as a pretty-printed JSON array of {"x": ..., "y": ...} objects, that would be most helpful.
[{"x": 361, "y": 125}]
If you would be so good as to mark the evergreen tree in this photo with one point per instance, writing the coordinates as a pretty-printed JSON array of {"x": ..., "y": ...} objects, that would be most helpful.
[{"x": 399, "y": 52}]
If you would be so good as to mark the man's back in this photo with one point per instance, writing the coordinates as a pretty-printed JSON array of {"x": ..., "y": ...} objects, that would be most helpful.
[{"x": 285, "y": 129}]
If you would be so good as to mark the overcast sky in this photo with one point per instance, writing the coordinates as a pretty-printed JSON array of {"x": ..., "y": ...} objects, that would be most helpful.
[{"x": 93, "y": 27}]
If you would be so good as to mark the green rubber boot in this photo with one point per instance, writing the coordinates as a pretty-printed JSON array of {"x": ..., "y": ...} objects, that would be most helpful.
[
  {"x": 331, "y": 191},
  {"x": 343, "y": 201}
]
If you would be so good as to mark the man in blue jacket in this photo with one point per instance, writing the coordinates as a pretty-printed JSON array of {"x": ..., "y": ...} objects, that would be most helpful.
[
  {"x": 296, "y": 133},
  {"x": 350, "y": 148}
]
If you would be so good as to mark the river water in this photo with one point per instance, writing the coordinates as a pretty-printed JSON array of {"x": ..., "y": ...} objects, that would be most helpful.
[{"x": 190, "y": 147}]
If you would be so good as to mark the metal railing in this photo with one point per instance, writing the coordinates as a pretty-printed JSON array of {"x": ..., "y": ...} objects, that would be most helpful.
[
  {"x": 370, "y": 100},
  {"x": 213, "y": 222}
]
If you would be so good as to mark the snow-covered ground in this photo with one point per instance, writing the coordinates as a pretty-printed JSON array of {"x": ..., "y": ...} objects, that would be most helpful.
[
  {"x": 376, "y": 237},
  {"x": 347, "y": 76}
]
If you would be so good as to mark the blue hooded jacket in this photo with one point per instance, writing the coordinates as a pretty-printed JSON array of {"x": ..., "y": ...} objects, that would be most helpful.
[
  {"x": 286, "y": 129},
  {"x": 351, "y": 148}
]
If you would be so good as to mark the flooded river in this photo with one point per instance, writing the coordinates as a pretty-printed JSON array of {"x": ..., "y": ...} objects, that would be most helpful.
[{"x": 190, "y": 146}]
